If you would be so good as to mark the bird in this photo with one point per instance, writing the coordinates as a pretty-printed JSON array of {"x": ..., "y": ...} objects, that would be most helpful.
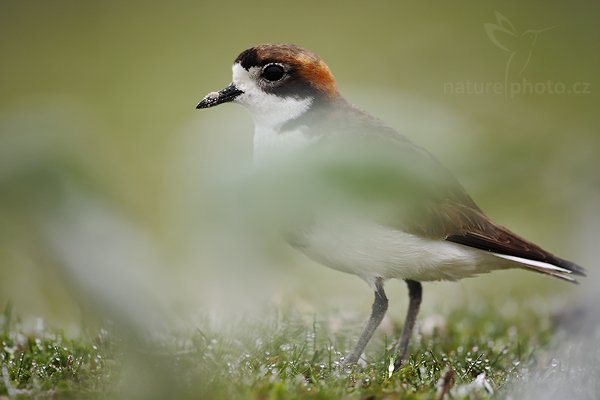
[{"x": 439, "y": 233}]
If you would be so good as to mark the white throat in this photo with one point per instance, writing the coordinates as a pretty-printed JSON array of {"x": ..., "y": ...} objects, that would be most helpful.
[{"x": 270, "y": 112}]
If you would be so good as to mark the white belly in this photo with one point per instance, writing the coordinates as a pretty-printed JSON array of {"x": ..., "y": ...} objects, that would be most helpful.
[{"x": 372, "y": 251}]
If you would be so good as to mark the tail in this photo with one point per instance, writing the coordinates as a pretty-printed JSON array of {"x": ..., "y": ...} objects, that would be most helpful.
[{"x": 505, "y": 244}]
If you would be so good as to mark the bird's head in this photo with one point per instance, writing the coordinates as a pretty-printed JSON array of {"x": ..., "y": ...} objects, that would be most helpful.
[{"x": 276, "y": 83}]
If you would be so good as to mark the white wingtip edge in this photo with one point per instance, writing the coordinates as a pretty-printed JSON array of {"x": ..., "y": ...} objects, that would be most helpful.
[{"x": 540, "y": 266}]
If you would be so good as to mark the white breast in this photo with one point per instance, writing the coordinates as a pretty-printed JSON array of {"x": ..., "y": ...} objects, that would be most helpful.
[{"x": 270, "y": 144}]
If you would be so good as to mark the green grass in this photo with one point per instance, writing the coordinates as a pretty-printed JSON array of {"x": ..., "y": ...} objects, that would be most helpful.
[
  {"x": 46, "y": 364},
  {"x": 285, "y": 356}
]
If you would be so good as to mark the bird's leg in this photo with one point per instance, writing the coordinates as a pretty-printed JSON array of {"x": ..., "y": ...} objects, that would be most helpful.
[
  {"x": 379, "y": 308},
  {"x": 415, "y": 293}
]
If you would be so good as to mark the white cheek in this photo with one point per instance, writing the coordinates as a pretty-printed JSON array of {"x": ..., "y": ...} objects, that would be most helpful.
[
  {"x": 244, "y": 82},
  {"x": 268, "y": 110}
]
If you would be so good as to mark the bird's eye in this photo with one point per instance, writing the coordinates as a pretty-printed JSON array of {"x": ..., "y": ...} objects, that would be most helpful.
[{"x": 273, "y": 72}]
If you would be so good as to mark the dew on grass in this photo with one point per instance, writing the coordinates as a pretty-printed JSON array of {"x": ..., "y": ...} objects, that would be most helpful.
[
  {"x": 285, "y": 347},
  {"x": 366, "y": 382},
  {"x": 10, "y": 350},
  {"x": 301, "y": 379}
]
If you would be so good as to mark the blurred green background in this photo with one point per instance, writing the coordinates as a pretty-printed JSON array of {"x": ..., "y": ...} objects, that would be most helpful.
[{"x": 109, "y": 176}]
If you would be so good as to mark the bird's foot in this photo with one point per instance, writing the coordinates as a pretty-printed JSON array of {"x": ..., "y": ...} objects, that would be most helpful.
[
  {"x": 399, "y": 360},
  {"x": 352, "y": 360}
]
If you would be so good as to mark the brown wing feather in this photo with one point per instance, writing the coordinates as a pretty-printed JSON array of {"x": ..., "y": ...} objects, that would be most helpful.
[{"x": 468, "y": 226}]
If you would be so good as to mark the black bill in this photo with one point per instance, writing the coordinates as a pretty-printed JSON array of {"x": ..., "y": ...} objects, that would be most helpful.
[{"x": 222, "y": 96}]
